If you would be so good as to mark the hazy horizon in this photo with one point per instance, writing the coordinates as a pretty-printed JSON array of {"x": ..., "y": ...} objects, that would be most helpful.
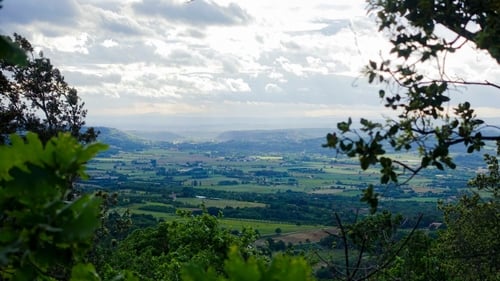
[{"x": 193, "y": 126}]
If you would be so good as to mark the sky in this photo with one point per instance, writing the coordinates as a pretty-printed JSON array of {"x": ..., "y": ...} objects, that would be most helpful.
[{"x": 178, "y": 65}]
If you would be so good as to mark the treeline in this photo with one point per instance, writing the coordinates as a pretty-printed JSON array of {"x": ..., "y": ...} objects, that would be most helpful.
[{"x": 290, "y": 206}]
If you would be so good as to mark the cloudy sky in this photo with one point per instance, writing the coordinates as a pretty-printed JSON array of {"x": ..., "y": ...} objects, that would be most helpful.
[{"x": 207, "y": 64}]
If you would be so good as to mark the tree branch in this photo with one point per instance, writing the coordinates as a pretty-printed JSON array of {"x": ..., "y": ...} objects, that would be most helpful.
[
  {"x": 346, "y": 246},
  {"x": 405, "y": 166},
  {"x": 460, "y": 140},
  {"x": 360, "y": 257},
  {"x": 485, "y": 83},
  {"x": 328, "y": 263},
  {"x": 384, "y": 265}
]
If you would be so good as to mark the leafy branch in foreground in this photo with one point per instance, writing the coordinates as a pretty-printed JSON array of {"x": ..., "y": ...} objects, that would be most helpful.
[
  {"x": 421, "y": 99},
  {"x": 44, "y": 235},
  {"x": 236, "y": 268}
]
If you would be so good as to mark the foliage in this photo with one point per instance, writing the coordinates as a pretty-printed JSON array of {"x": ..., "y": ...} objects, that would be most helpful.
[
  {"x": 114, "y": 227},
  {"x": 420, "y": 92},
  {"x": 43, "y": 235},
  {"x": 159, "y": 253},
  {"x": 237, "y": 268},
  {"x": 11, "y": 52},
  {"x": 420, "y": 99},
  {"x": 370, "y": 246},
  {"x": 416, "y": 21},
  {"x": 469, "y": 248},
  {"x": 34, "y": 97},
  {"x": 416, "y": 261}
]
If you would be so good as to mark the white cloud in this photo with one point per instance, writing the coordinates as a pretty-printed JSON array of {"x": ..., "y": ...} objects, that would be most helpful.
[
  {"x": 294, "y": 68},
  {"x": 273, "y": 88},
  {"x": 70, "y": 44},
  {"x": 114, "y": 21},
  {"x": 277, "y": 76},
  {"x": 152, "y": 107},
  {"x": 288, "y": 58},
  {"x": 162, "y": 48},
  {"x": 199, "y": 12},
  {"x": 237, "y": 85},
  {"x": 109, "y": 43}
]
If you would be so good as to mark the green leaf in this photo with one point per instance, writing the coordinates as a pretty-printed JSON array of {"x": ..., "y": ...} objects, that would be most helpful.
[
  {"x": 370, "y": 197},
  {"x": 331, "y": 140},
  {"x": 371, "y": 77},
  {"x": 439, "y": 165},
  {"x": 344, "y": 126},
  {"x": 129, "y": 276},
  {"x": 81, "y": 218},
  {"x": 193, "y": 272},
  {"x": 84, "y": 272},
  {"x": 381, "y": 94},
  {"x": 364, "y": 162},
  {"x": 425, "y": 161},
  {"x": 237, "y": 269},
  {"x": 8, "y": 249},
  {"x": 393, "y": 130},
  {"x": 384, "y": 179},
  {"x": 11, "y": 52},
  {"x": 385, "y": 162},
  {"x": 449, "y": 163}
]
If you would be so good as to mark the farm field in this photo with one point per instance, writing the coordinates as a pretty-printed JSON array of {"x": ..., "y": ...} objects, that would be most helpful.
[
  {"x": 261, "y": 174},
  {"x": 264, "y": 228},
  {"x": 293, "y": 191}
]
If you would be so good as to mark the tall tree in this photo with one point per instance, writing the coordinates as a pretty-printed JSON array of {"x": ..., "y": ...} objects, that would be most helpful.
[
  {"x": 34, "y": 97},
  {"x": 424, "y": 122}
]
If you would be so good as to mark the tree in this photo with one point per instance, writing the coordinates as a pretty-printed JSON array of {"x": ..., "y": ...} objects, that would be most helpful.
[
  {"x": 421, "y": 101},
  {"x": 277, "y": 231},
  {"x": 370, "y": 246},
  {"x": 34, "y": 97},
  {"x": 160, "y": 252},
  {"x": 114, "y": 227},
  {"x": 417, "y": 261},
  {"x": 469, "y": 248},
  {"x": 11, "y": 52},
  {"x": 236, "y": 268},
  {"x": 44, "y": 236}
]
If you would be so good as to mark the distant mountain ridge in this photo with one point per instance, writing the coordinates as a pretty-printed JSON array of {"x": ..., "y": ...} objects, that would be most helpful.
[
  {"x": 157, "y": 135},
  {"x": 279, "y": 135},
  {"x": 257, "y": 139},
  {"x": 120, "y": 140},
  {"x": 118, "y": 137}
]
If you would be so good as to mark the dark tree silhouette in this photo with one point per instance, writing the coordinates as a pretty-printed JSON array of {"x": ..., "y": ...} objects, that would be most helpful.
[{"x": 34, "y": 97}]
